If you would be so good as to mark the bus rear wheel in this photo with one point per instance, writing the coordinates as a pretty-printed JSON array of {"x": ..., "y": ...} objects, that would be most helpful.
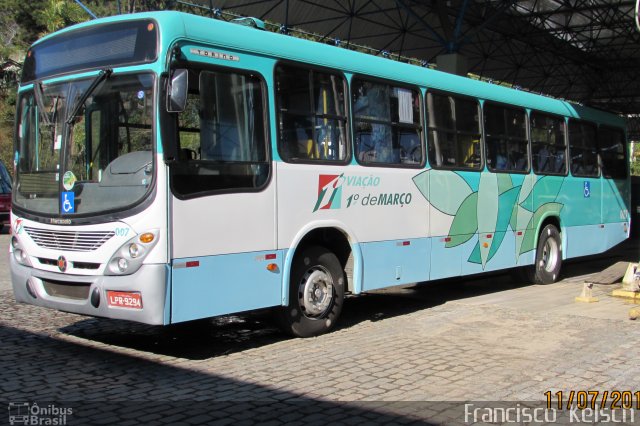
[
  {"x": 316, "y": 293},
  {"x": 546, "y": 269}
]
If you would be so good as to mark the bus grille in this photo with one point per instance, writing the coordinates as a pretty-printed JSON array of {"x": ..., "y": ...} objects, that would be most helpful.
[
  {"x": 78, "y": 291},
  {"x": 69, "y": 240}
]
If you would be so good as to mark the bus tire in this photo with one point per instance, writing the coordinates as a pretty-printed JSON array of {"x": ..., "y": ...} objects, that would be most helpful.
[
  {"x": 316, "y": 293},
  {"x": 546, "y": 269}
]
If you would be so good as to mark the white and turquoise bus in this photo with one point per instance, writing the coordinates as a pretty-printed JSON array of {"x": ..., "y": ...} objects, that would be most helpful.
[{"x": 171, "y": 167}]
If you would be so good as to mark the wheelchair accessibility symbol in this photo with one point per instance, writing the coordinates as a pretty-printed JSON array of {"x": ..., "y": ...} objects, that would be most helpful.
[
  {"x": 587, "y": 189},
  {"x": 67, "y": 202}
]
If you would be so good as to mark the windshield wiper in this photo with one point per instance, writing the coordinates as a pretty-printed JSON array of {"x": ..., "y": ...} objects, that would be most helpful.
[
  {"x": 38, "y": 93},
  {"x": 104, "y": 74}
]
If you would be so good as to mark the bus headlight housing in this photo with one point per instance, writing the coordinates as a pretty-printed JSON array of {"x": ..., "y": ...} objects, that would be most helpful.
[
  {"x": 18, "y": 252},
  {"x": 129, "y": 257}
]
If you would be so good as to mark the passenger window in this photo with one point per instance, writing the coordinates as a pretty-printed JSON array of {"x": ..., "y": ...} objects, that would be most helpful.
[
  {"x": 583, "y": 149},
  {"x": 454, "y": 132},
  {"x": 387, "y": 124},
  {"x": 506, "y": 138},
  {"x": 311, "y": 115},
  {"x": 222, "y": 142},
  {"x": 611, "y": 145},
  {"x": 548, "y": 146}
]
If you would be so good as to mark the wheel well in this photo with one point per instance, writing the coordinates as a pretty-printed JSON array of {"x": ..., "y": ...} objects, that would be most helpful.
[
  {"x": 336, "y": 241},
  {"x": 551, "y": 220}
]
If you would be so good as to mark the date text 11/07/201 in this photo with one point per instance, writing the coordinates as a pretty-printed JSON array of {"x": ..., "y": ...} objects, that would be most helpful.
[{"x": 583, "y": 399}]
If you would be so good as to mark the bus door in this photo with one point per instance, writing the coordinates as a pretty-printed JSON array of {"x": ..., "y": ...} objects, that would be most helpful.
[
  {"x": 223, "y": 190},
  {"x": 616, "y": 188}
]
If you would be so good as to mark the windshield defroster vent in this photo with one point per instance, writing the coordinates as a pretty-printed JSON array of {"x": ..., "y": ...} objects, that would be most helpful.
[{"x": 69, "y": 240}]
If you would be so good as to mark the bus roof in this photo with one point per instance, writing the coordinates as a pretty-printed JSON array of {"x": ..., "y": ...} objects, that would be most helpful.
[{"x": 178, "y": 25}]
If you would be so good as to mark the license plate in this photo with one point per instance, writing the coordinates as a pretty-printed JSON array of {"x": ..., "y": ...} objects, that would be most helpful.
[{"x": 124, "y": 299}]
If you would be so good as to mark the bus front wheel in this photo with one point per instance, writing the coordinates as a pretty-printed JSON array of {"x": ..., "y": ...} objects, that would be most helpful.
[{"x": 316, "y": 293}]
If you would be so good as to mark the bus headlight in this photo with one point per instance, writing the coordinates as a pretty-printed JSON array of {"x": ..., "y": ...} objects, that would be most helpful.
[
  {"x": 134, "y": 250},
  {"x": 129, "y": 257},
  {"x": 18, "y": 252}
]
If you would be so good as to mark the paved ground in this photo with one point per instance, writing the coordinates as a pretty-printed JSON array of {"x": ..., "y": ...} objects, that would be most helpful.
[{"x": 395, "y": 353}]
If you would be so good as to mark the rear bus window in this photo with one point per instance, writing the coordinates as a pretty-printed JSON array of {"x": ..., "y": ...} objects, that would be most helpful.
[
  {"x": 583, "y": 149},
  {"x": 611, "y": 145},
  {"x": 387, "y": 124},
  {"x": 454, "y": 132},
  {"x": 311, "y": 114},
  {"x": 548, "y": 146}
]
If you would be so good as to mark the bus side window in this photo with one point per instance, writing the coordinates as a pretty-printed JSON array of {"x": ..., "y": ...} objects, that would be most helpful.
[
  {"x": 506, "y": 138},
  {"x": 582, "y": 148},
  {"x": 548, "y": 146},
  {"x": 222, "y": 140},
  {"x": 454, "y": 132},
  {"x": 387, "y": 124},
  {"x": 311, "y": 115}
]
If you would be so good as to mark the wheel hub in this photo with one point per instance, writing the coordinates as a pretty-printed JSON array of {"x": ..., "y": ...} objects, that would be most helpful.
[{"x": 316, "y": 292}]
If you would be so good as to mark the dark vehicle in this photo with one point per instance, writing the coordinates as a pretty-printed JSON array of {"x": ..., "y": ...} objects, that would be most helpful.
[{"x": 5, "y": 196}]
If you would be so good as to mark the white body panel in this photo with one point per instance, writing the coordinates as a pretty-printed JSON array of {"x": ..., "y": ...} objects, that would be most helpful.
[
  {"x": 357, "y": 203},
  {"x": 224, "y": 223}
]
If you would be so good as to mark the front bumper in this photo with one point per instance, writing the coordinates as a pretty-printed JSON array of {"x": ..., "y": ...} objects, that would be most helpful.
[{"x": 150, "y": 281}]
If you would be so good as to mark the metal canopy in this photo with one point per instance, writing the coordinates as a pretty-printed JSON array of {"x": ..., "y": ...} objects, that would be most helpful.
[{"x": 581, "y": 50}]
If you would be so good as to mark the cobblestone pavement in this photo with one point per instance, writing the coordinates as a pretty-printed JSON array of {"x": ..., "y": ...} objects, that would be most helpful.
[{"x": 487, "y": 339}]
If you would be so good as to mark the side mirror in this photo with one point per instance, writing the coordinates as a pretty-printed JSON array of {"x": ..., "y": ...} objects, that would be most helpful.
[{"x": 177, "y": 93}]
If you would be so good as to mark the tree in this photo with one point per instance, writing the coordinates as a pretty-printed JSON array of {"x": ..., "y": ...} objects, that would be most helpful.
[{"x": 58, "y": 14}]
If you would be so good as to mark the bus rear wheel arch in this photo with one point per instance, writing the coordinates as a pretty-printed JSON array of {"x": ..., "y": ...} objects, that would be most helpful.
[
  {"x": 316, "y": 293},
  {"x": 548, "y": 257}
]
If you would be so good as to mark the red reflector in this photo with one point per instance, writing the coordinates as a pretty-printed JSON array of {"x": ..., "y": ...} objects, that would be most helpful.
[
  {"x": 406, "y": 243},
  {"x": 193, "y": 264},
  {"x": 270, "y": 256},
  {"x": 489, "y": 236},
  {"x": 446, "y": 239},
  {"x": 519, "y": 232}
]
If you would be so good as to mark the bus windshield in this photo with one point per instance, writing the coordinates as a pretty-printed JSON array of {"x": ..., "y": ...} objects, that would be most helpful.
[{"x": 85, "y": 146}]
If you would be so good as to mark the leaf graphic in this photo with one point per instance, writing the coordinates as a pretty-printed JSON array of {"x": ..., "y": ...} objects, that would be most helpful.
[
  {"x": 465, "y": 222},
  {"x": 548, "y": 209},
  {"x": 544, "y": 191},
  {"x": 523, "y": 216},
  {"x": 421, "y": 180},
  {"x": 506, "y": 202},
  {"x": 447, "y": 191},
  {"x": 487, "y": 212},
  {"x": 504, "y": 183},
  {"x": 488, "y": 203},
  {"x": 525, "y": 191},
  {"x": 513, "y": 221},
  {"x": 475, "y": 255}
]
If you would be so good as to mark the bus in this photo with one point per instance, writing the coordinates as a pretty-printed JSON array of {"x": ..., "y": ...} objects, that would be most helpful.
[{"x": 172, "y": 167}]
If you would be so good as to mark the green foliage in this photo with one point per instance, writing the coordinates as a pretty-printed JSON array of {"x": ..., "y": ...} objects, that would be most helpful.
[
  {"x": 635, "y": 159},
  {"x": 58, "y": 14}
]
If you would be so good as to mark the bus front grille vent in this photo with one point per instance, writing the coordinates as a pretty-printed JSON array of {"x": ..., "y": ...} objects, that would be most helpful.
[
  {"x": 69, "y": 240},
  {"x": 77, "y": 291}
]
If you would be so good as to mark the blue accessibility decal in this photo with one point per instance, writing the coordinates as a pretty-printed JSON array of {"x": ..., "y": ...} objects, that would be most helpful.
[{"x": 67, "y": 202}]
